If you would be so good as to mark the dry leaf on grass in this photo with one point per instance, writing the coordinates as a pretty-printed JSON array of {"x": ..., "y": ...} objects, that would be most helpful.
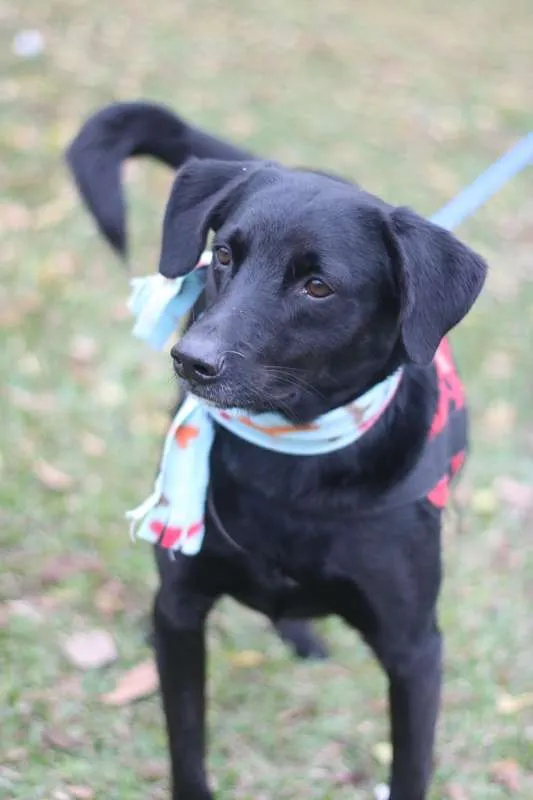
[
  {"x": 110, "y": 394},
  {"x": 16, "y": 754},
  {"x": 80, "y": 792},
  {"x": 304, "y": 711},
  {"x": 350, "y": 778},
  {"x": 498, "y": 420},
  {"x": 59, "y": 739},
  {"x": 59, "y": 794},
  {"x": 34, "y": 402},
  {"x": 58, "y": 568},
  {"x": 27, "y": 608},
  {"x": 456, "y": 792},
  {"x": 110, "y": 598},
  {"x": 83, "y": 350},
  {"x": 53, "y": 478},
  {"x": 90, "y": 650},
  {"x": 513, "y": 704},
  {"x": 246, "y": 659},
  {"x": 13, "y": 314},
  {"x": 153, "y": 770},
  {"x": 506, "y": 773},
  {"x": 499, "y": 365},
  {"x": 92, "y": 445},
  {"x": 138, "y": 682},
  {"x": 519, "y": 496}
]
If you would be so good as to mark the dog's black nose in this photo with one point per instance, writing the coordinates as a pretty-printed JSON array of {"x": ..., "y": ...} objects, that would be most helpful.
[{"x": 196, "y": 367}]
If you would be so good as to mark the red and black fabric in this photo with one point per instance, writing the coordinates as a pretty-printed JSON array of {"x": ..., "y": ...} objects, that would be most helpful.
[{"x": 444, "y": 453}]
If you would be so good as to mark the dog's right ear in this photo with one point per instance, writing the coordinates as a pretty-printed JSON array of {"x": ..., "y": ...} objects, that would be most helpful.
[{"x": 198, "y": 202}]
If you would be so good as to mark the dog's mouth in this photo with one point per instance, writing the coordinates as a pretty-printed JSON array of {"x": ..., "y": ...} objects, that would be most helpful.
[
  {"x": 225, "y": 396},
  {"x": 252, "y": 397}
]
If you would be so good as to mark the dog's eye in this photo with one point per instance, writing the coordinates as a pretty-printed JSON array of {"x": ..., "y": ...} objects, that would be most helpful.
[
  {"x": 317, "y": 288},
  {"x": 223, "y": 255}
]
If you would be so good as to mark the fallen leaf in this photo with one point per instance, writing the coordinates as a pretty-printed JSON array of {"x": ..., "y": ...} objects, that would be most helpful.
[
  {"x": 138, "y": 682},
  {"x": 298, "y": 712},
  {"x": 8, "y": 776},
  {"x": 91, "y": 649},
  {"x": 154, "y": 770},
  {"x": 25, "y": 608},
  {"x": 455, "y": 792},
  {"x": 53, "y": 478},
  {"x": 350, "y": 778},
  {"x": 92, "y": 445},
  {"x": 120, "y": 311},
  {"x": 498, "y": 420},
  {"x": 516, "y": 494},
  {"x": 80, "y": 792},
  {"x": 503, "y": 557},
  {"x": 513, "y": 704},
  {"x": 58, "y": 568},
  {"x": 34, "y": 402},
  {"x": 382, "y": 752},
  {"x": 246, "y": 659},
  {"x": 109, "y": 598},
  {"x": 15, "y": 217},
  {"x": 83, "y": 350},
  {"x": 506, "y": 773},
  {"x": 59, "y": 739},
  {"x": 499, "y": 365},
  {"x": 12, "y": 315},
  {"x": 110, "y": 394},
  {"x": 16, "y": 754}
]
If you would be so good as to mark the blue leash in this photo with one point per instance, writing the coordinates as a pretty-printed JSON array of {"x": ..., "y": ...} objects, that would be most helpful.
[{"x": 488, "y": 183}]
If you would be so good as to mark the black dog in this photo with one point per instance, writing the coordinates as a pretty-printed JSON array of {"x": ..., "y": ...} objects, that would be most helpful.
[{"x": 317, "y": 291}]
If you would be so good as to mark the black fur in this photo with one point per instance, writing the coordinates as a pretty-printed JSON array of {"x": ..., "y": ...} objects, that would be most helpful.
[{"x": 298, "y": 537}]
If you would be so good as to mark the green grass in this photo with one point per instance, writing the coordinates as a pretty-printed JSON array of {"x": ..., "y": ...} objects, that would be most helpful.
[{"x": 412, "y": 99}]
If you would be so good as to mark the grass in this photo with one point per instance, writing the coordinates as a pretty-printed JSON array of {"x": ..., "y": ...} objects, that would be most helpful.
[{"x": 412, "y": 100}]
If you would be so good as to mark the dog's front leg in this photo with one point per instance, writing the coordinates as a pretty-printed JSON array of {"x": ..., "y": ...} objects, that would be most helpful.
[
  {"x": 414, "y": 698},
  {"x": 181, "y": 662}
]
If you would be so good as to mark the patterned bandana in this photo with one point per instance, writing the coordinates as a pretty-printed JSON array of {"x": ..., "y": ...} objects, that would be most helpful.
[{"x": 173, "y": 515}]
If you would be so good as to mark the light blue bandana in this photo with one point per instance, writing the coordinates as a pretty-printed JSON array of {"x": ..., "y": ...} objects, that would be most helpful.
[{"x": 173, "y": 515}]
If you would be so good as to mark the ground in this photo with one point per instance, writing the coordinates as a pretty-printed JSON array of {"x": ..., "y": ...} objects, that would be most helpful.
[{"x": 411, "y": 99}]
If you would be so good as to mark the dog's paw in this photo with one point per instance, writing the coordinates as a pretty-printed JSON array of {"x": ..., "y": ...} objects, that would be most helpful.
[
  {"x": 381, "y": 792},
  {"x": 313, "y": 649},
  {"x": 299, "y": 635}
]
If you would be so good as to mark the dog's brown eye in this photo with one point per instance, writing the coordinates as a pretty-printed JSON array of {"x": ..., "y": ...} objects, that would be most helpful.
[
  {"x": 317, "y": 288},
  {"x": 223, "y": 255}
]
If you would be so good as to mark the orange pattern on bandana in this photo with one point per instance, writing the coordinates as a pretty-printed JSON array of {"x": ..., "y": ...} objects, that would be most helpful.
[
  {"x": 277, "y": 430},
  {"x": 185, "y": 434}
]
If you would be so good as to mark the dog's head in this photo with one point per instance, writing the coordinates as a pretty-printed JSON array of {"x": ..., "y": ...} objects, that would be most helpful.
[{"x": 316, "y": 291}]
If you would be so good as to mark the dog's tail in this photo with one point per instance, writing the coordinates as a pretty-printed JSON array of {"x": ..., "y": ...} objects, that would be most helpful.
[{"x": 119, "y": 131}]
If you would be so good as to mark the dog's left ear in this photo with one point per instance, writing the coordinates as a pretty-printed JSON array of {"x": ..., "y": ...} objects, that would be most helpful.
[{"x": 439, "y": 278}]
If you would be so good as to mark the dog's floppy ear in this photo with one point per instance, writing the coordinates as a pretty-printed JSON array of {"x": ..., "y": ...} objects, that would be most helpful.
[
  {"x": 198, "y": 199},
  {"x": 439, "y": 278}
]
